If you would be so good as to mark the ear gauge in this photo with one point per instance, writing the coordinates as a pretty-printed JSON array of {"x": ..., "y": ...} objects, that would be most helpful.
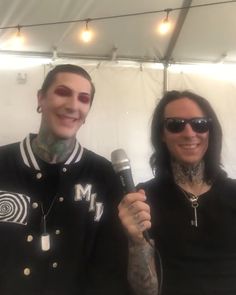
[{"x": 39, "y": 109}]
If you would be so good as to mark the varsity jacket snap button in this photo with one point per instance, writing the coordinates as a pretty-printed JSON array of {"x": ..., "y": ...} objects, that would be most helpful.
[
  {"x": 30, "y": 238},
  {"x": 26, "y": 271},
  {"x": 61, "y": 199},
  {"x": 64, "y": 169},
  {"x": 57, "y": 232},
  {"x": 39, "y": 175},
  {"x": 54, "y": 265},
  {"x": 35, "y": 205}
]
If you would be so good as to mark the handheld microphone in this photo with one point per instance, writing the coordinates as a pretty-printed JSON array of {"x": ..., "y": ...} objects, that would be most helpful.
[{"x": 121, "y": 166}]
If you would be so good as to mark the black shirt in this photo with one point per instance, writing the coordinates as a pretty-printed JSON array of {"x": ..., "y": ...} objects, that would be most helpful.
[{"x": 196, "y": 260}]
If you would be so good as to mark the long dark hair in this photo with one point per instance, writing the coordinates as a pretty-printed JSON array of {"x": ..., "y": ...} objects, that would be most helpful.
[{"x": 160, "y": 159}]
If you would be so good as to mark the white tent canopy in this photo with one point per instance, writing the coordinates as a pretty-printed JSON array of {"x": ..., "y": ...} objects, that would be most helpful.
[{"x": 203, "y": 32}]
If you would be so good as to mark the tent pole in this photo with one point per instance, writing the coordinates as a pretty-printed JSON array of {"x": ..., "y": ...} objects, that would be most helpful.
[
  {"x": 168, "y": 55},
  {"x": 165, "y": 76},
  {"x": 174, "y": 38}
]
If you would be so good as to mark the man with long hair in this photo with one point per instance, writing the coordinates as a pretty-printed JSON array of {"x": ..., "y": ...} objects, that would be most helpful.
[{"x": 189, "y": 206}]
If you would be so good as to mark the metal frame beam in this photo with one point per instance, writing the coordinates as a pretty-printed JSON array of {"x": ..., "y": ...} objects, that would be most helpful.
[{"x": 173, "y": 41}]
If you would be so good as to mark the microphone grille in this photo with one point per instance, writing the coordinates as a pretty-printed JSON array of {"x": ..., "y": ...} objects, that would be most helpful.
[{"x": 119, "y": 160}]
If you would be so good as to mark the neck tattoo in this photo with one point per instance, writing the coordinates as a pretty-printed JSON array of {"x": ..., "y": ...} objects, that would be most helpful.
[
  {"x": 193, "y": 174},
  {"x": 51, "y": 149}
]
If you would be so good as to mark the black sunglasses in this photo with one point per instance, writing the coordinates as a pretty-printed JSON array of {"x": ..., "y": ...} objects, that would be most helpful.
[{"x": 176, "y": 125}]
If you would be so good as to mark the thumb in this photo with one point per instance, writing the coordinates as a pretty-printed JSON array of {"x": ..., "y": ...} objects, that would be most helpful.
[{"x": 141, "y": 191}]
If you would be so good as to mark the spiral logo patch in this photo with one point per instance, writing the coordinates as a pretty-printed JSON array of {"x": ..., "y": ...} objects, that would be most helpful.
[{"x": 13, "y": 207}]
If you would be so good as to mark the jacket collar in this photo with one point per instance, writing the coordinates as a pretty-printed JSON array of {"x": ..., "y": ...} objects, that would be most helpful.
[{"x": 30, "y": 160}]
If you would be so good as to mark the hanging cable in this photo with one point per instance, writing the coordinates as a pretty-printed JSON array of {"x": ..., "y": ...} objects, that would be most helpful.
[{"x": 115, "y": 16}]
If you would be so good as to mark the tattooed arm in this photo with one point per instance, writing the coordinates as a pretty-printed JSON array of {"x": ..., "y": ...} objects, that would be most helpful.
[
  {"x": 141, "y": 269},
  {"x": 135, "y": 216}
]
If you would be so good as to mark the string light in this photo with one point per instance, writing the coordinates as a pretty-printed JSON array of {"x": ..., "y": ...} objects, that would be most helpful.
[
  {"x": 18, "y": 40},
  {"x": 86, "y": 35},
  {"x": 165, "y": 24}
]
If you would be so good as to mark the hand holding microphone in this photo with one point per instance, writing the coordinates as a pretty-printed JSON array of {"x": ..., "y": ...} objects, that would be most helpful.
[{"x": 134, "y": 213}]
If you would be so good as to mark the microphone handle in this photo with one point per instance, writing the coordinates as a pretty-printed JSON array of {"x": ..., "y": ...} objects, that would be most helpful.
[
  {"x": 128, "y": 186},
  {"x": 126, "y": 181}
]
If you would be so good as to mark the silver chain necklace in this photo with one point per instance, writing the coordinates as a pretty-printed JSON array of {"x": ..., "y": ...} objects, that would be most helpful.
[
  {"x": 45, "y": 236},
  {"x": 193, "y": 199}
]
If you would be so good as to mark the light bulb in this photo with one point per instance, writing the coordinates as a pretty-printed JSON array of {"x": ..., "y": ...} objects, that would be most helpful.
[
  {"x": 86, "y": 35},
  {"x": 164, "y": 26},
  {"x": 18, "y": 40}
]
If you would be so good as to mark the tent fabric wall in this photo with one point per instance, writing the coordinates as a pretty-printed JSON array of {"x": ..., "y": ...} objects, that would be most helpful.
[{"x": 122, "y": 110}]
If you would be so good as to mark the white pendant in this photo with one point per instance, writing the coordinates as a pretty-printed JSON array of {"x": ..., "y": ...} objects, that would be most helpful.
[{"x": 45, "y": 242}]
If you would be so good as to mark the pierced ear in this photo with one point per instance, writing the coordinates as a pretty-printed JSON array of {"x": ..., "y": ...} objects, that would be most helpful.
[
  {"x": 40, "y": 98},
  {"x": 39, "y": 109}
]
